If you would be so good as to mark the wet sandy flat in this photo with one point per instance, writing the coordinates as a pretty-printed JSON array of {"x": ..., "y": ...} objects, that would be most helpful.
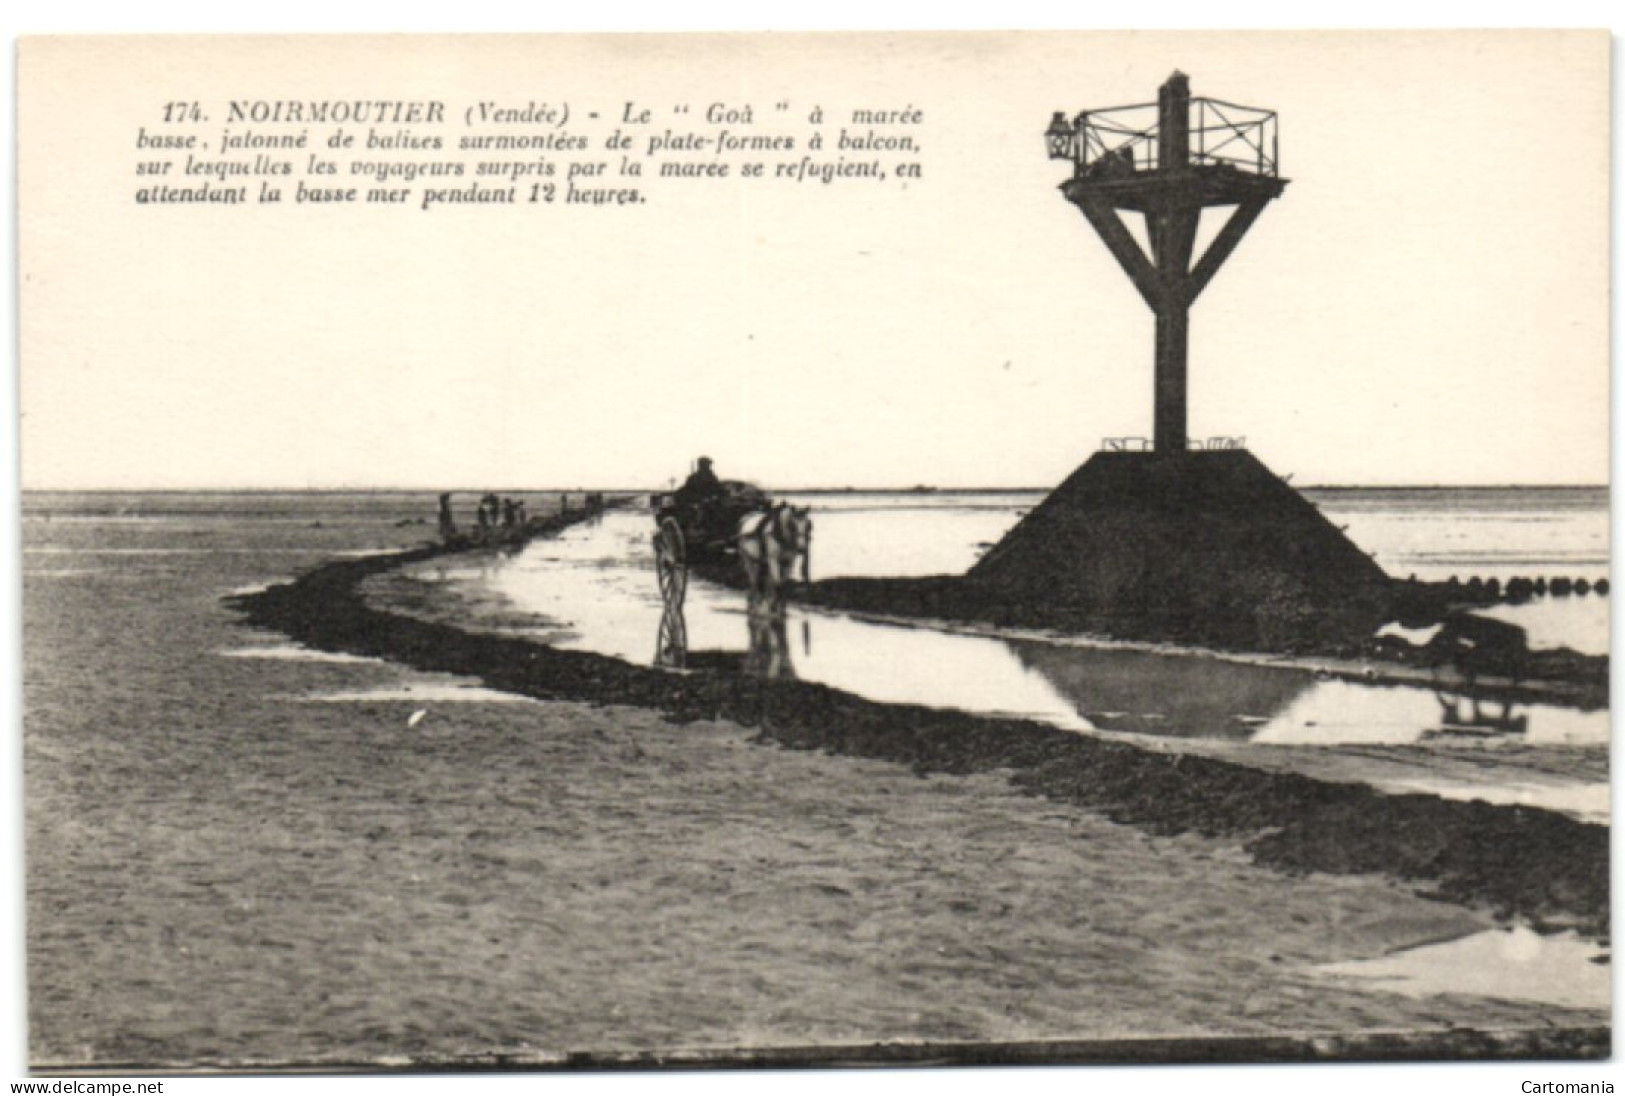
[
  {"x": 540, "y": 878},
  {"x": 1571, "y": 779}
]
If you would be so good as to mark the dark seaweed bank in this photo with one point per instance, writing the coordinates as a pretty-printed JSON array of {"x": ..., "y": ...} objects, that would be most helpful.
[{"x": 1518, "y": 862}]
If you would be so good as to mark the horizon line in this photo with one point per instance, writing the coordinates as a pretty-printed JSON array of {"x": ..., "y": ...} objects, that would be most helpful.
[{"x": 913, "y": 489}]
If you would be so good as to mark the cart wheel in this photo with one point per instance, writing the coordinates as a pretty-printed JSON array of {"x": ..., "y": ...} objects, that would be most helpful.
[
  {"x": 671, "y": 562},
  {"x": 671, "y": 650}
]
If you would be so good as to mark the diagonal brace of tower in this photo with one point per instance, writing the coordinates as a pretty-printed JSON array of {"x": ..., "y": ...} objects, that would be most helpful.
[{"x": 1164, "y": 167}]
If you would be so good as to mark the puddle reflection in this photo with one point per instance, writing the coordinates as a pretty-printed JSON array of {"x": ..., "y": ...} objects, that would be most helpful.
[
  {"x": 1347, "y": 712},
  {"x": 671, "y": 645},
  {"x": 767, "y": 653},
  {"x": 1147, "y": 693},
  {"x": 1509, "y": 964},
  {"x": 1471, "y": 715}
]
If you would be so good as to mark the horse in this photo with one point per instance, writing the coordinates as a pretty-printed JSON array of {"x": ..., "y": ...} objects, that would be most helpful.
[
  {"x": 1478, "y": 646},
  {"x": 769, "y": 542}
]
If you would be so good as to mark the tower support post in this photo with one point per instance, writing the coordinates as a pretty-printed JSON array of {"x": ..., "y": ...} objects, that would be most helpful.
[
  {"x": 1170, "y": 191},
  {"x": 1173, "y": 330}
]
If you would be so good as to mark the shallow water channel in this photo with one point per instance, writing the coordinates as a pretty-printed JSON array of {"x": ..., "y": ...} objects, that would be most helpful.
[{"x": 594, "y": 589}]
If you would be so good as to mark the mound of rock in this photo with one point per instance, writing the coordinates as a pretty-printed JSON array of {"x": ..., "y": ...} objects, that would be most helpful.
[{"x": 1189, "y": 544}]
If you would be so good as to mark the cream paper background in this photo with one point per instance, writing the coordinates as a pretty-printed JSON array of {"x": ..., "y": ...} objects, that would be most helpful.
[{"x": 1427, "y": 303}]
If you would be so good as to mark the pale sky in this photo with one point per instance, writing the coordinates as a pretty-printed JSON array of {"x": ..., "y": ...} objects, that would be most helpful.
[{"x": 1428, "y": 302}]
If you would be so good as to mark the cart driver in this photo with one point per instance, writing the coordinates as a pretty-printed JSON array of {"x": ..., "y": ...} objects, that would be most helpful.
[{"x": 702, "y": 487}]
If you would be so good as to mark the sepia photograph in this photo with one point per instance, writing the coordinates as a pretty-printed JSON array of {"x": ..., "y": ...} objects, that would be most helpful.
[{"x": 665, "y": 552}]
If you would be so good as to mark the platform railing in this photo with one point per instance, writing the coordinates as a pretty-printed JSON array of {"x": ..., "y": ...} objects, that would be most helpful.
[
  {"x": 1134, "y": 444},
  {"x": 1216, "y": 443},
  {"x": 1221, "y": 133}
]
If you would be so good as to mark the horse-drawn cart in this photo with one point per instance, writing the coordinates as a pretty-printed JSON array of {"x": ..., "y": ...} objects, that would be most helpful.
[{"x": 703, "y": 532}]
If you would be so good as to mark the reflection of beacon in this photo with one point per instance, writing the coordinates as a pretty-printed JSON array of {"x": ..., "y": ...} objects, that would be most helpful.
[{"x": 1150, "y": 159}]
